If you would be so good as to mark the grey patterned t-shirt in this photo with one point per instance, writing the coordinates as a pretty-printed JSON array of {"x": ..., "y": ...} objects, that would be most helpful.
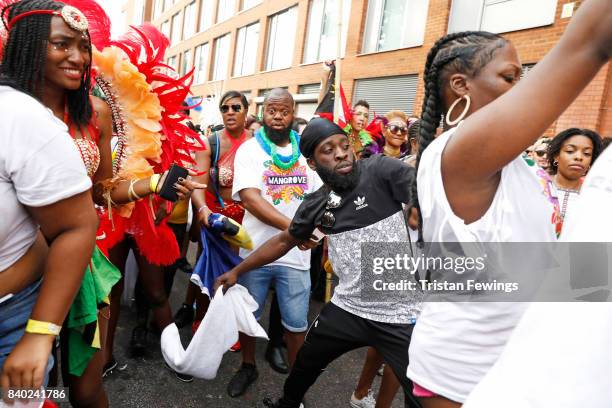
[{"x": 371, "y": 212}]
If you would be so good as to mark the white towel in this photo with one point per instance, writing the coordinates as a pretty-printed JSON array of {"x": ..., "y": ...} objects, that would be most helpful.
[{"x": 227, "y": 314}]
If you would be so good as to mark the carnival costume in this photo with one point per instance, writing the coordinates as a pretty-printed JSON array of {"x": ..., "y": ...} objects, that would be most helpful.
[
  {"x": 222, "y": 175},
  {"x": 146, "y": 121}
]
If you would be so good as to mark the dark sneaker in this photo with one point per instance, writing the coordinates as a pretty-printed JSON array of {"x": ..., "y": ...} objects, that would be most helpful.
[
  {"x": 182, "y": 377},
  {"x": 184, "y": 316},
  {"x": 242, "y": 379},
  {"x": 276, "y": 357},
  {"x": 138, "y": 342},
  {"x": 111, "y": 367},
  {"x": 184, "y": 265},
  {"x": 281, "y": 403}
]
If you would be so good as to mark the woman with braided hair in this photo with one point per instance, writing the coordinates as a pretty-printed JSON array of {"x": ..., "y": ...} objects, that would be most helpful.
[
  {"x": 48, "y": 53},
  {"x": 470, "y": 79}
]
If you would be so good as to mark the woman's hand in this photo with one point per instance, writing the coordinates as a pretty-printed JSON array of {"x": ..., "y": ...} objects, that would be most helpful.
[
  {"x": 26, "y": 365},
  {"x": 202, "y": 216},
  {"x": 184, "y": 186}
]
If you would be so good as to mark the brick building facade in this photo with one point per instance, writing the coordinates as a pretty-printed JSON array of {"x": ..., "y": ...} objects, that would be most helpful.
[{"x": 383, "y": 61}]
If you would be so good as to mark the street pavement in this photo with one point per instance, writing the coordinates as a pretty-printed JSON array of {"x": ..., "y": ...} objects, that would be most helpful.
[{"x": 146, "y": 382}]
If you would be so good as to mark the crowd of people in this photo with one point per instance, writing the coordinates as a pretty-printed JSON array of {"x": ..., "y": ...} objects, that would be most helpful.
[{"x": 98, "y": 130}]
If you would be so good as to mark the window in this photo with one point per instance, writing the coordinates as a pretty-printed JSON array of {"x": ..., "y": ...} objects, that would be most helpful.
[
  {"x": 187, "y": 62},
  {"x": 165, "y": 28},
  {"x": 281, "y": 39},
  {"x": 500, "y": 16},
  {"x": 176, "y": 29},
  {"x": 220, "y": 58},
  {"x": 393, "y": 24},
  {"x": 138, "y": 12},
  {"x": 321, "y": 38},
  {"x": 225, "y": 9},
  {"x": 158, "y": 8},
  {"x": 247, "y": 4},
  {"x": 246, "y": 50},
  {"x": 387, "y": 93},
  {"x": 189, "y": 25},
  {"x": 201, "y": 63},
  {"x": 206, "y": 14},
  {"x": 173, "y": 62}
]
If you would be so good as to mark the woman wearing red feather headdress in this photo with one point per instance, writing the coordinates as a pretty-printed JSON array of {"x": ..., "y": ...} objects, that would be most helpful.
[{"x": 61, "y": 81}]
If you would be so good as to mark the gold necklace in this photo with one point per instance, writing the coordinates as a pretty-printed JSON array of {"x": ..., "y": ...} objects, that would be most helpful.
[{"x": 390, "y": 151}]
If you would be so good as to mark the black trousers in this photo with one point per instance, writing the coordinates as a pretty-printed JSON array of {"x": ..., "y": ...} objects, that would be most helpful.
[{"x": 335, "y": 332}]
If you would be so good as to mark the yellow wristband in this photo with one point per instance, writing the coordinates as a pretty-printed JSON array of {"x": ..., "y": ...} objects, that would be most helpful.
[
  {"x": 154, "y": 183},
  {"x": 38, "y": 327}
]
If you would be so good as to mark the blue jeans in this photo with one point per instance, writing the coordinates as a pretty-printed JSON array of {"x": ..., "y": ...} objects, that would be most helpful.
[
  {"x": 292, "y": 290},
  {"x": 14, "y": 315}
]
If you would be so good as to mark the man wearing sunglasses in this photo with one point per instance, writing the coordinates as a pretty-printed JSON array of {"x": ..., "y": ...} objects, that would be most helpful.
[
  {"x": 540, "y": 149},
  {"x": 361, "y": 201},
  {"x": 271, "y": 179}
]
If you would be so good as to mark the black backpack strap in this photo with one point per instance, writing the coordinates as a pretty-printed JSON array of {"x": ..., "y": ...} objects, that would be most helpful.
[{"x": 215, "y": 148}]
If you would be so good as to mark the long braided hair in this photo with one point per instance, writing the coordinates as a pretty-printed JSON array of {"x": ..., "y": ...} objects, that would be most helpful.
[
  {"x": 25, "y": 54},
  {"x": 465, "y": 52}
]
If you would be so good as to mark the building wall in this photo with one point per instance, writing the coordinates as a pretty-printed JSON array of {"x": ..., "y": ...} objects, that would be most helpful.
[{"x": 590, "y": 110}]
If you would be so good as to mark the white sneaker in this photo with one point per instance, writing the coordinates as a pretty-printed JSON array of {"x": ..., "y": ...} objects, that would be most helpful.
[{"x": 366, "y": 402}]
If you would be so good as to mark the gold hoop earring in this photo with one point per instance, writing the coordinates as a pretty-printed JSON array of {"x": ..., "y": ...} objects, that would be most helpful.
[{"x": 468, "y": 101}]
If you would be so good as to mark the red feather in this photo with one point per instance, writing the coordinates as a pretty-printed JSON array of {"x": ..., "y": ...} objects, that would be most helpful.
[{"x": 98, "y": 20}]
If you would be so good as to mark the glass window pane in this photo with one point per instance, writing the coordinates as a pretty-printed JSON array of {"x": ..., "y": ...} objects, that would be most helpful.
[
  {"x": 206, "y": 14},
  {"x": 250, "y": 51},
  {"x": 165, "y": 28},
  {"x": 313, "y": 35},
  {"x": 138, "y": 11},
  {"x": 186, "y": 66},
  {"x": 176, "y": 28},
  {"x": 239, "y": 56},
  {"x": 393, "y": 24},
  {"x": 190, "y": 21},
  {"x": 374, "y": 15},
  {"x": 247, "y": 4},
  {"x": 281, "y": 39},
  {"x": 246, "y": 50},
  {"x": 201, "y": 63},
  {"x": 221, "y": 58},
  {"x": 225, "y": 9}
]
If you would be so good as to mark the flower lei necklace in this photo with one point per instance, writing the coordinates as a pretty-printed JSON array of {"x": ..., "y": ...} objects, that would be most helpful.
[
  {"x": 364, "y": 137},
  {"x": 282, "y": 162}
]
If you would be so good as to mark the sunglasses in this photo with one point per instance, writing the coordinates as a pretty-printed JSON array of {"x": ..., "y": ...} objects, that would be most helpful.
[
  {"x": 540, "y": 153},
  {"x": 333, "y": 201},
  {"x": 236, "y": 108},
  {"x": 395, "y": 129}
]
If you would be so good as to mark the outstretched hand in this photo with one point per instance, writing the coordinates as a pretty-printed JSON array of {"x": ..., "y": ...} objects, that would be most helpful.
[{"x": 227, "y": 280}]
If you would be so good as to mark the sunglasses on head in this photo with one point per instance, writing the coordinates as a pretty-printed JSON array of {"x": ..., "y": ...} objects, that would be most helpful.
[
  {"x": 236, "y": 108},
  {"x": 396, "y": 128},
  {"x": 333, "y": 201},
  {"x": 540, "y": 153}
]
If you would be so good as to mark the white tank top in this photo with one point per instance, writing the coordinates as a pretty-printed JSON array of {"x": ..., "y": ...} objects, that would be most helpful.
[{"x": 454, "y": 344}]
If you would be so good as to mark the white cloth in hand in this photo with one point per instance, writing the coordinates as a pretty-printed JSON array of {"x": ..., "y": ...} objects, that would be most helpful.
[{"x": 227, "y": 314}]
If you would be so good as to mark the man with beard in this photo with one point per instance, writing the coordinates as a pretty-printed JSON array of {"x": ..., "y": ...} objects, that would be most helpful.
[
  {"x": 271, "y": 179},
  {"x": 361, "y": 201}
]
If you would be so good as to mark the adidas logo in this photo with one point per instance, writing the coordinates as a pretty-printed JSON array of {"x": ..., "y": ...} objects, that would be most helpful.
[{"x": 360, "y": 203}]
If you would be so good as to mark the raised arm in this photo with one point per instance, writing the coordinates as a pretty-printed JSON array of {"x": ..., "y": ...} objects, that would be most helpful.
[{"x": 504, "y": 128}]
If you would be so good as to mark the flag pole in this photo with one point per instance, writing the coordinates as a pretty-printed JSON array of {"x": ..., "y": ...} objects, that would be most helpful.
[
  {"x": 337, "y": 110},
  {"x": 337, "y": 99}
]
